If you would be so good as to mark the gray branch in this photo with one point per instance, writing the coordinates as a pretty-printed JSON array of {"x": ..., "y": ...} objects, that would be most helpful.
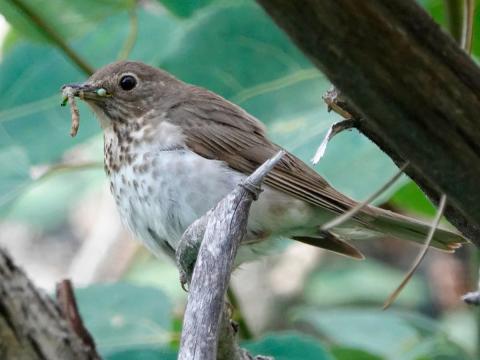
[
  {"x": 413, "y": 87},
  {"x": 207, "y": 331},
  {"x": 31, "y": 325}
]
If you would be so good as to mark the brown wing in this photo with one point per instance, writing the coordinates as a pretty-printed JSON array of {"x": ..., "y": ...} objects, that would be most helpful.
[{"x": 226, "y": 132}]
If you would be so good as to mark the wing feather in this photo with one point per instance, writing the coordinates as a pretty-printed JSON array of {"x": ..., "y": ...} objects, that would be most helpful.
[{"x": 218, "y": 129}]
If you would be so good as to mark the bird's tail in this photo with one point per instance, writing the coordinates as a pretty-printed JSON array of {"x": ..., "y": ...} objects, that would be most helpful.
[
  {"x": 405, "y": 228},
  {"x": 376, "y": 223}
]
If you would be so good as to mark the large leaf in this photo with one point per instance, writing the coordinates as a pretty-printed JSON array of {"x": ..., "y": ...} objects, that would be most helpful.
[
  {"x": 67, "y": 18},
  {"x": 411, "y": 199},
  {"x": 143, "y": 354},
  {"x": 289, "y": 346},
  {"x": 282, "y": 346},
  {"x": 346, "y": 353},
  {"x": 31, "y": 119},
  {"x": 123, "y": 316},
  {"x": 392, "y": 335},
  {"x": 369, "y": 282},
  {"x": 230, "y": 46},
  {"x": 185, "y": 8}
]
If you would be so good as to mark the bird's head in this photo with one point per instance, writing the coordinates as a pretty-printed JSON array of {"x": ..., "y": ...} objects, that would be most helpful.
[{"x": 126, "y": 90}]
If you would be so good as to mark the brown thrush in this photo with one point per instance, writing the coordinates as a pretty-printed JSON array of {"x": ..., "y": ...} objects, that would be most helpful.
[{"x": 173, "y": 150}]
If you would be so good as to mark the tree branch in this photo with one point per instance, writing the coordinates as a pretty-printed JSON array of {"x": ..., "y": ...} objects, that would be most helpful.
[
  {"x": 414, "y": 90},
  {"x": 31, "y": 326},
  {"x": 207, "y": 330}
]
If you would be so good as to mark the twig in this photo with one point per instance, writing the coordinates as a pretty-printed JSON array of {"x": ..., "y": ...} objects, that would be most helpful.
[
  {"x": 132, "y": 36},
  {"x": 354, "y": 210},
  {"x": 53, "y": 36},
  {"x": 453, "y": 15},
  {"x": 420, "y": 256},
  {"x": 335, "y": 129},
  {"x": 69, "y": 309},
  {"x": 66, "y": 167},
  {"x": 467, "y": 30},
  {"x": 206, "y": 328},
  {"x": 31, "y": 327}
]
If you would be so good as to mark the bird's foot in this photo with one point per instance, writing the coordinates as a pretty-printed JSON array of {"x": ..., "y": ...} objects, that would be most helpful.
[{"x": 186, "y": 256}]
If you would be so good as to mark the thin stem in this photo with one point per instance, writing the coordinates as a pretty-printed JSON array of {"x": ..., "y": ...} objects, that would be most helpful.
[
  {"x": 131, "y": 38},
  {"x": 453, "y": 14},
  {"x": 62, "y": 168},
  {"x": 354, "y": 210},
  {"x": 467, "y": 30},
  {"x": 420, "y": 256},
  {"x": 51, "y": 34}
]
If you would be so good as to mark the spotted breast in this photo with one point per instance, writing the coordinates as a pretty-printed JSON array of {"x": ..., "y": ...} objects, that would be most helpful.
[{"x": 161, "y": 187}]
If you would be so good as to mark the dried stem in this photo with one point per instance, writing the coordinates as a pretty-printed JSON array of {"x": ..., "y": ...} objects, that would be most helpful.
[
  {"x": 51, "y": 34},
  {"x": 354, "y": 210},
  {"x": 467, "y": 31},
  {"x": 31, "y": 326},
  {"x": 420, "y": 256},
  {"x": 132, "y": 36},
  {"x": 454, "y": 14},
  {"x": 69, "y": 309}
]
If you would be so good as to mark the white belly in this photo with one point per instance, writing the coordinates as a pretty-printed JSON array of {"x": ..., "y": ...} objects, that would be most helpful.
[{"x": 178, "y": 186}]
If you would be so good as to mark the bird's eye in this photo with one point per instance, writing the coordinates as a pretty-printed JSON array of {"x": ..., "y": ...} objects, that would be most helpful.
[{"x": 128, "y": 82}]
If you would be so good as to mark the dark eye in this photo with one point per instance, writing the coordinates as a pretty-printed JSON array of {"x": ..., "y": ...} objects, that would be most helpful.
[{"x": 128, "y": 82}]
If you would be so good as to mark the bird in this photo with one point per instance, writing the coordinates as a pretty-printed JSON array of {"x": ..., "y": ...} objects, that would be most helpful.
[{"x": 173, "y": 150}]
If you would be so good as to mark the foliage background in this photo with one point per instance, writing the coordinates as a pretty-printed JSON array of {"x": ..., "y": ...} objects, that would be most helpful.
[{"x": 57, "y": 219}]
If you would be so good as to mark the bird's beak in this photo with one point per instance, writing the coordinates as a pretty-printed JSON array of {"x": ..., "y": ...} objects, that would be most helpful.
[{"x": 86, "y": 91}]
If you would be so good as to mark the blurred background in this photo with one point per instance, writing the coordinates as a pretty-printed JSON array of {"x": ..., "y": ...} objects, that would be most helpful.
[{"x": 58, "y": 219}]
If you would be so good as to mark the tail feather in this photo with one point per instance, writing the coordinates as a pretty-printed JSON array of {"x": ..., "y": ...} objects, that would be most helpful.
[
  {"x": 406, "y": 228},
  {"x": 376, "y": 223}
]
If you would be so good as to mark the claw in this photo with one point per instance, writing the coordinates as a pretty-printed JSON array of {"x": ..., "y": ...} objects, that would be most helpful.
[{"x": 184, "y": 281}]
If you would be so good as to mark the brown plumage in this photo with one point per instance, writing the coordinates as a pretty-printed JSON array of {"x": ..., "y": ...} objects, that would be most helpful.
[{"x": 174, "y": 116}]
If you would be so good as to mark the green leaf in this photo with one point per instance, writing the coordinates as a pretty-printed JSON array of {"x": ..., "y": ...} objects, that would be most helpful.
[
  {"x": 15, "y": 175},
  {"x": 230, "y": 45},
  {"x": 289, "y": 346},
  {"x": 368, "y": 282},
  {"x": 185, "y": 8},
  {"x": 241, "y": 54},
  {"x": 31, "y": 119},
  {"x": 409, "y": 198},
  {"x": 392, "y": 334},
  {"x": 122, "y": 316},
  {"x": 68, "y": 18},
  {"x": 148, "y": 270},
  {"x": 143, "y": 354},
  {"x": 282, "y": 346},
  {"x": 346, "y": 353},
  {"x": 437, "y": 10}
]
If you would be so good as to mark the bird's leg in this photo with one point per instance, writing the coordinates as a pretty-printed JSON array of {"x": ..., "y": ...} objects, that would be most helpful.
[{"x": 187, "y": 249}]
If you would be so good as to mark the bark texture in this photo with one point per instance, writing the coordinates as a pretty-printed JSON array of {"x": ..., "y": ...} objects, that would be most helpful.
[
  {"x": 416, "y": 91},
  {"x": 31, "y": 326},
  {"x": 207, "y": 332}
]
